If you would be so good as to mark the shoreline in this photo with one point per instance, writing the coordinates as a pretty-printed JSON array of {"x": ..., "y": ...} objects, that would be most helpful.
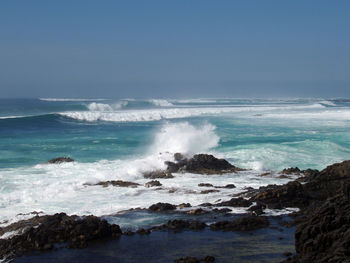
[{"x": 314, "y": 193}]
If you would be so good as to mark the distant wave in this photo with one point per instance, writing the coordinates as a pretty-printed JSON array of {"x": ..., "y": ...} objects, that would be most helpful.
[
  {"x": 107, "y": 107},
  {"x": 173, "y": 113},
  {"x": 12, "y": 117},
  {"x": 161, "y": 103},
  {"x": 69, "y": 99},
  {"x": 328, "y": 103}
]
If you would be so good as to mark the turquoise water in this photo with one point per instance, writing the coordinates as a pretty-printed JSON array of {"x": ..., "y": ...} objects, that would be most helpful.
[{"x": 121, "y": 139}]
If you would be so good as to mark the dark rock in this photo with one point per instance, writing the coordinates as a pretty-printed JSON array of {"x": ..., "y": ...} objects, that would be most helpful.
[
  {"x": 222, "y": 210},
  {"x": 205, "y": 185},
  {"x": 179, "y": 157},
  {"x": 228, "y": 186},
  {"x": 291, "y": 194},
  {"x": 203, "y": 192},
  {"x": 61, "y": 160},
  {"x": 236, "y": 202},
  {"x": 241, "y": 224},
  {"x": 291, "y": 170},
  {"x": 143, "y": 231},
  {"x": 153, "y": 183},
  {"x": 119, "y": 183},
  {"x": 198, "y": 211},
  {"x": 158, "y": 174},
  {"x": 183, "y": 205},
  {"x": 74, "y": 231},
  {"x": 161, "y": 207},
  {"x": 206, "y": 204},
  {"x": 206, "y": 259},
  {"x": 257, "y": 209}
]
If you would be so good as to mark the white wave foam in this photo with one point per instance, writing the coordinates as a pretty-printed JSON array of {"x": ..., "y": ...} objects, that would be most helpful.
[
  {"x": 102, "y": 107},
  {"x": 161, "y": 103},
  {"x": 69, "y": 99},
  {"x": 185, "y": 138},
  {"x": 104, "y": 113},
  {"x": 327, "y": 102},
  {"x": 13, "y": 117}
]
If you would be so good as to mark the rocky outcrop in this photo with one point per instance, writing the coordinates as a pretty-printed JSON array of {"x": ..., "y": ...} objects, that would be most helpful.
[
  {"x": 236, "y": 202},
  {"x": 119, "y": 183},
  {"x": 153, "y": 183},
  {"x": 72, "y": 231},
  {"x": 179, "y": 225},
  {"x": 158, "y": 174},
  {"x": 241, "y": 224},
  {"x": 201, "y": 164},
  {"x": 61, "y": 160},
  {"x": 161, "y": 207}
]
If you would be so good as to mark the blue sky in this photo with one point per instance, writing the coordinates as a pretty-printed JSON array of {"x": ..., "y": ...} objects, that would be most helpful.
[{"x": 119, "y": 49}]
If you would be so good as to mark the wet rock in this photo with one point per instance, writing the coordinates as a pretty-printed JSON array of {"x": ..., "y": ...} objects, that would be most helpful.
[
  {"x": 158, "y": 174},
  {"x": 61, "y": 160},
  {"x": 291, "y": 170},
  {"x": 291, "y": 194},
  {"x": 184, "y": 205},
  {"x": 222, "y": 210},
  {"x": 198, "y": 211},
  {"x": 73, "y": 231},
  {"x": 143, "y": 231},
  {"x": 205, "y": 185},
  {"x": 202, "y": 164},
  {"x": 228, "y": 186},
  {"x": 153, "y": 183},
  {"x": 241, "y": 224},
  {"x": 257, "y": 209},
  {"x": 236, "y": 202},
  {"x": 161, "y": 207},
  {"x": 203, "y": 192},
  {"x": 179, "y": 157},
  {"x": 206, "y": 204},
  {"x": 119, "y": 183}
]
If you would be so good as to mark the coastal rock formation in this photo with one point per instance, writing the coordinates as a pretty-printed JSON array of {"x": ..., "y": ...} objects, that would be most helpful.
[
  {"x": 241, "y": 224},
  {"x": 206, "y": 259},
  {"x": 61, "y": 160},
  {"x": 201, "y": 164},
  {"x": 236, "y": 202},
  {"x": 158, "y": 174},
  {"x": 153, "y": 183},
  {"x": 119, "y": 183},
  {"x": 161, "y": 207},
  {"x": 73, "y": 231}
]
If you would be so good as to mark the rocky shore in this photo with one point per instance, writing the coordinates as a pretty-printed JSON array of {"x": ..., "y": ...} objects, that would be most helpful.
[{"x": 322, "y": 222}]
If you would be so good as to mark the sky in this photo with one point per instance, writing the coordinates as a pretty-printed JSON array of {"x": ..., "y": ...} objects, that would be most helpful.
[{"x": 174, "y": 49}]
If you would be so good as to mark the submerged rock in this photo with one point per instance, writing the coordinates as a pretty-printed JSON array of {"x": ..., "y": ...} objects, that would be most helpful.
[
  {"x": 241, "y": 224},
  {"x": 179, "y": 225},
  {"x": 61, "y": 160}
]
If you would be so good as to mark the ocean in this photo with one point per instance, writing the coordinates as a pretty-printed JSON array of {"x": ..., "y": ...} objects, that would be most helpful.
[{"x": 121, "y": 139}]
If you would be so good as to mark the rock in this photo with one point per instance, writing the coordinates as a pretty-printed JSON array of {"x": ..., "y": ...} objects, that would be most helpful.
[
  {"x": 184, "y": 205},
  {"x": 203, "y": 192},
  {"x": 325, "y": 235},
  {"x": 179, "y": 157},
  {"x": 198, "y": 211},
  {"x": 201, "y": 164},
  {"x": 158, "y": 174},
  {"x": 61, "y": 160},
  {"x": 291, "y": 170},
  {"x": 119, "y": 183},
  {"x": 161, "y": 207},
  {"x": 257, "y": 209},
  {"x": 236, "y": 202},
  {"x": 73, "y": 231},
  {"x": 241, "y": 224},
  {"x": 205, "y": 185},
  {"x": 291, "y": 194},
  {"x": 153, "y": 183},
  {"x": 143, "y": 231},
  {"x": 222, "y": 210},
  {"x": 228, "y": 186}
]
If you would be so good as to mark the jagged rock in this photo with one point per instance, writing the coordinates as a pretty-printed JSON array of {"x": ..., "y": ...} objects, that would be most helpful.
[
  {"x": 119, "y": 183},
  {"x": 202, "y": 164},
  {"x": 291, "y": 194},
  {"x": 236, "y": 202},
  {"x": 291, "y": 170},
  {"x": 179, "y": 157},
  {"x": 143, "y": 231},
  {"x": 158, "y": 174},
  {"x": 205, "y": 185},
  {"x": 74, "y": 231},
  {"x": 61, "y": 160},
  {"x": 198, "y": 211},
  {"x": 161, "y": 207},
  {"x": 153, "y": 183},
  {"x": 184, "y": 205},
  {"x": 228, "y": 186},
  {"x": 257, "y": 209},
  {"x": 241, "y": 224}
]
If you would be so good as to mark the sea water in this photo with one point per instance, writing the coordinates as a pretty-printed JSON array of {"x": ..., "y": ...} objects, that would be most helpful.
[{"x": 121, "y": 139}]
